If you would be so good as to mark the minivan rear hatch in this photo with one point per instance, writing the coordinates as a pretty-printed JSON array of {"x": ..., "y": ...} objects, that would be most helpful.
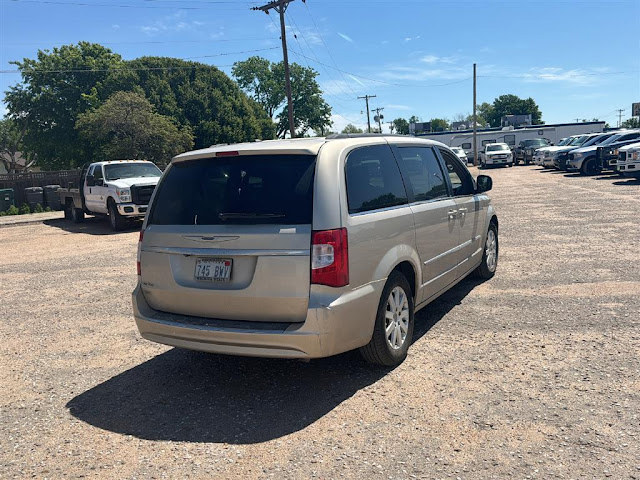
[{"x": 228, "y": 237}]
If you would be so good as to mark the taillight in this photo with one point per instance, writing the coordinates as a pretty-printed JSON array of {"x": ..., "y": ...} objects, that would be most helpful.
[
  {"x": 330, "y": 257},
  {"x": 138, "y": 257}
]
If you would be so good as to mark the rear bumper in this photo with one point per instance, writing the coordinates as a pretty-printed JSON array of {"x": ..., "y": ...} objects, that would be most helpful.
[
  {"x": 344, "y": 324},
  {"x": 131, "y": 210}
]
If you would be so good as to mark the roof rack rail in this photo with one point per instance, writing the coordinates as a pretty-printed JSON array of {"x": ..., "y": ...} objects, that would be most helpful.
[{"x": 361, "y": 135}]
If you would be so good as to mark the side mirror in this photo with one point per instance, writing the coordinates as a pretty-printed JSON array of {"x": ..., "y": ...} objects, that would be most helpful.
[
  {"x": 90, "y": 181},
  {"x": 483, "y": 183},
  {"x": 99, "y": 182}
]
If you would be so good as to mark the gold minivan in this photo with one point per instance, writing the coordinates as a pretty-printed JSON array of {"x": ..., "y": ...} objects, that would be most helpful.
[{"x": 307, "y": 248}]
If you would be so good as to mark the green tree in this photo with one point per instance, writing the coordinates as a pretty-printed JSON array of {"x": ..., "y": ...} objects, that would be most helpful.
[
  {"x": 11, "y": 135},
  {"x": 484, "y": 114},
  {"x": 350, "y": 128},
  {"x": 510, "y": 105},
  {"x": 401, "y": 126},
  {"x": 194, "y": 95},
  {"x": 126, "y": 127},
  {"x": 439, "y": 124},
  {"x": 264, "y": 81},
  {"x": 55, "y": 88},
  {"x": 633, "y": 122}
]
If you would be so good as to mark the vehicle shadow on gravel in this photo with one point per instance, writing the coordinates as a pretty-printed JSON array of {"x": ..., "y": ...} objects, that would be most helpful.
[
  {"x": 190, "y": 396},
  {"x": 91, "y": 225},
  {"x": 628, "y": 182}
]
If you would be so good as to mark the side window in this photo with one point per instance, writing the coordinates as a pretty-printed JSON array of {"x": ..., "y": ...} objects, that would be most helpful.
[
  {"x": 461, "y": 180},
  {"x": 373, "y": 179},
  {"x": 421, "y": 169},
  {"x": 97, "y": 172}
]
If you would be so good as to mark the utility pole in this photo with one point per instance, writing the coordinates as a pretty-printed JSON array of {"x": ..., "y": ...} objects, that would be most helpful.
[
  {"x": 620, "y": 110},
  {"x": 280, "y": 6},
  {"x": 378, "y": 118},
  {"x": 391, "y": 127},
  {"x": 366, "y": 99},
  {"x": 475, "y": 120}
]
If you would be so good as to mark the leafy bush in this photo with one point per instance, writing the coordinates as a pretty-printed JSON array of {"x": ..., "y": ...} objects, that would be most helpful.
[
  {"x": 24, "y": 209},
  {"x": 48, "y": 209},
  {"x": 38, "y": 208},
  {"x": 12, "y": 210}
]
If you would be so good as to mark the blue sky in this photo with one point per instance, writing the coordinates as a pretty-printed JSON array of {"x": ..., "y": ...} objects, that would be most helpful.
[{"x": 577, "y": 59}]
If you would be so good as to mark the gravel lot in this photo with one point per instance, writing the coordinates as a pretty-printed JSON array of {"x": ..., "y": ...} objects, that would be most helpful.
[{"x": 533, "y": 374}]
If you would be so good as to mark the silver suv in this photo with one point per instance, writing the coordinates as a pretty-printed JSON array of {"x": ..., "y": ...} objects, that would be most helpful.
[{"x": 310, "y": 247}]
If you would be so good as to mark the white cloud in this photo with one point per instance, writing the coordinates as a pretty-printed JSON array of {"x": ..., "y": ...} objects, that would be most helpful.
[
  {"x": 340, "y": 121},
  {"x": 355, "y": 79},
  {"x": 560, "y": 75},
  {"x": 346, "y": 37},
  {"x": 177, "y": 22},
  {"x": 392, "y": 106},
  {"x": 410, "y": 39},
  {"x": 417, "y": 74},
  {"x": 432, "y": 59},
  {"x": 115, "y": 26}
]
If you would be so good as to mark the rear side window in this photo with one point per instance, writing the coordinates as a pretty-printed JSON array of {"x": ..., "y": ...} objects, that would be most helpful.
[
  {"x": 240, "y": 190},
  {"x": 422, "y": 170},
  {"x": 373, "y": 179}
]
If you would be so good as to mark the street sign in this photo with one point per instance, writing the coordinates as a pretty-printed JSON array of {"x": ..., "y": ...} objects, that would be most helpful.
[{"x": 635, "y": 109}]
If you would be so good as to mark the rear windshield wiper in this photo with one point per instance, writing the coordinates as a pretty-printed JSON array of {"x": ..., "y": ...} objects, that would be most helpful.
[{"x": 248, "y": 215}]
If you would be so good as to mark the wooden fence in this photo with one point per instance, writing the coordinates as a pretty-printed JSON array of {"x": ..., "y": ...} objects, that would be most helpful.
[{"x": 19, "y": 181}]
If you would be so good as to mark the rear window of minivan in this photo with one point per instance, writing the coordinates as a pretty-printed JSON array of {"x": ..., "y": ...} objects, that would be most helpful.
[{"x": 238, "y": 190}]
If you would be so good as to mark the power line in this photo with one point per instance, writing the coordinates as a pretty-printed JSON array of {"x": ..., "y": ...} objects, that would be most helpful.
[
  {"x": 36, "y": 71},
  {"x": 159, "y": 7},
  {"x": 327, "y": 48},
  {"x": 152, "y": 41},
  {"x": 388, "y": 83},
  {"x": 280, "y": 6}
]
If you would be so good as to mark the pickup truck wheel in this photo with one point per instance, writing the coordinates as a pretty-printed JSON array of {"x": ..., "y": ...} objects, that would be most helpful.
[
  {"x": 588, "y": 167},
  {"x": 393, "y": 329},
  {"x": 117, "y": 221},
  {"x": 77, "y": 215},
  {"x": 489, "y": 263}
]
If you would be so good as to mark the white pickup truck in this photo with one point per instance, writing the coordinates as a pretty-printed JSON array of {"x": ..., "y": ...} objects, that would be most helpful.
[
  {"x": 496, "y": 154},
  {"x": 120, "y": 189}
]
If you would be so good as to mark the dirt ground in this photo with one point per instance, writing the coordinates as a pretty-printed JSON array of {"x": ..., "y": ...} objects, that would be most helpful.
[{"x": 533, "y": 374}]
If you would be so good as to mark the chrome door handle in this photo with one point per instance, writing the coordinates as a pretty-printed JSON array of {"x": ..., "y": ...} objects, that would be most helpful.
[{"x": 452, "y": 214}]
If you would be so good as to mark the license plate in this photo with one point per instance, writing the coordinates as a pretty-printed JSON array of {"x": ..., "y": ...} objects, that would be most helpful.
[{"x": 213, "y": 269}]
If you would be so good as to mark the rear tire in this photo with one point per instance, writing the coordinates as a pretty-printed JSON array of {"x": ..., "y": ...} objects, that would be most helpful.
[
  {"x": 117, "y": 221},
  {"x": 393, "y": 329},
  {"x": 489, "y": 263},
  {"x": 77, "y": 215}
]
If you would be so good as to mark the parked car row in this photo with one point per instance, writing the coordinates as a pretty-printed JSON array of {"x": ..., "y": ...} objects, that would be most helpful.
[{"x": 590, "y": 154}]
